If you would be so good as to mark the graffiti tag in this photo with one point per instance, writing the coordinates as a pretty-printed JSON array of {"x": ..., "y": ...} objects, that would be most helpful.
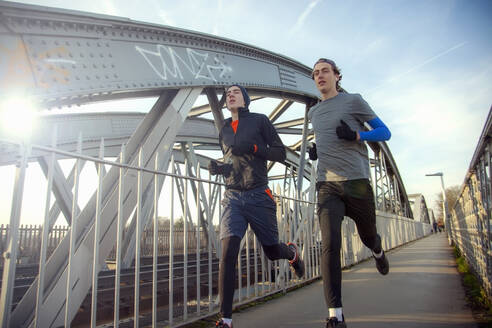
[{"x": 167, "y": 62}]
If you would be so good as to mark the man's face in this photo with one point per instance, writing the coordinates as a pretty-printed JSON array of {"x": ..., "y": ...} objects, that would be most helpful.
[
  {"x": 234, "y": 98},
  {"x": 324, "y": 77}
]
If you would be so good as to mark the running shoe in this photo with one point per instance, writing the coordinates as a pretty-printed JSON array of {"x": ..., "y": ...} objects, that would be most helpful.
[
  {"x": 382, "y": 264},
  {"x": 222, "y": 324},
  {"x": 297, "y": 263},
  {"x": 334, "y": 323}
]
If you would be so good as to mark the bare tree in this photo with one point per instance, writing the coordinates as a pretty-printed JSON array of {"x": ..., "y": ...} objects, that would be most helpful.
[{"x": 452, "y": 194}]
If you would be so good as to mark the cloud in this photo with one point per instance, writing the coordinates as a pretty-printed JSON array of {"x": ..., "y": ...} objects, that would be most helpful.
[
  {"x": 109, "y": 8},
  {"x": 435, "y": 126},
  {"x": 416, "y": 67},
  {"x": 165, "y": 18},
  {"x": 300, "y": 20}
]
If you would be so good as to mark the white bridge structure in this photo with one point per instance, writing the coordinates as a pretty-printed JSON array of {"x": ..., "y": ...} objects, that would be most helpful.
[{"x": 150, "y": 164}]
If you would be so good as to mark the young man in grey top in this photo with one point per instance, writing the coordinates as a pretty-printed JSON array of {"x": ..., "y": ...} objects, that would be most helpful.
[{"x": 343, "y": 184}]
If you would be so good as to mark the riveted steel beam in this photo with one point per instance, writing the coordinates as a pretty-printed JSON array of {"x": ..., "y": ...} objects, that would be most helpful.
[
  {"x": 67, "y": 57},
  {"x": 290, "y": 123},
  {"x": 280, "y": 109}
]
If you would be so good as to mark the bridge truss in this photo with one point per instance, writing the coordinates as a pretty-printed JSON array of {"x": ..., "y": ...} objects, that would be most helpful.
[{"x": 63, "y": 59}]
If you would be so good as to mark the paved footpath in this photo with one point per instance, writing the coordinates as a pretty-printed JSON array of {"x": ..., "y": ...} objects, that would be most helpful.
[{"x": 422, "y": 289}]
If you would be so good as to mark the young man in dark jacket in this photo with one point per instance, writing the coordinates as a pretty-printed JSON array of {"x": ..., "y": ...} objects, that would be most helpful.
[
  {"x": 343, "y": 182},
  {"x": 247, "y": 141}
]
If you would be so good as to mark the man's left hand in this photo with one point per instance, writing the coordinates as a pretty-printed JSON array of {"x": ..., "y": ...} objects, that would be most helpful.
[{"x": 345, "y": 132}]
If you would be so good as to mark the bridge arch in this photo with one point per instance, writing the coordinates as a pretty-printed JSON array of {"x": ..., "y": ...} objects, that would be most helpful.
[{"x": 64, "y": 58}]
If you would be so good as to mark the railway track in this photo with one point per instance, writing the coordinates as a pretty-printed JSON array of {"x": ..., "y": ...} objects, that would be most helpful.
[{"x": 106, "y": 287}]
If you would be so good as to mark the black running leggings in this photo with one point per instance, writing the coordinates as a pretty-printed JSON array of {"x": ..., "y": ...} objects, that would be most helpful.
[
  {"x": 227, "y": 268},
  {"x": 352, "y": 198}
]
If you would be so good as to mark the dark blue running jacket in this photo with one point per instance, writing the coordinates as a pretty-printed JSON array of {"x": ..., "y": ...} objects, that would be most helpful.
[{"x": 249, "y": 171}]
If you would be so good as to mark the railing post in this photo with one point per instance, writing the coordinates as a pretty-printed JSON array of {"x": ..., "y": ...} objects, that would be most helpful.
[
  {"x": 171, "y": 247},
  {"x": 44, "y": 238},
  {"x": 10, "y": 254},
  {"x": 155, "y": 243},
  {"x": 185, "y": 259},
  {"x": 138, "y": 238},
  {"x": 97, "y": 233},
  {"x": 119, "y": 236},
  {"x": 73, "y": 234}
]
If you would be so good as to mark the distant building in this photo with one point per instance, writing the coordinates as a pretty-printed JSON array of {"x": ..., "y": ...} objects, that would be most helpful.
[
  {"x": 431, "y": 215},
  {"x": 419, "y": 208}
]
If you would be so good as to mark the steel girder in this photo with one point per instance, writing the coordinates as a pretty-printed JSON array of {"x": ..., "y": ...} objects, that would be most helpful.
[
  {"x": 115, "y": 128},
  {"x": 390, "y": 194},
  {"x": 192, "y": 162},
  {"x": 62, "y": 190},
  {"x": 153, "y": 135},
  {"x": 66, "y": 57}
]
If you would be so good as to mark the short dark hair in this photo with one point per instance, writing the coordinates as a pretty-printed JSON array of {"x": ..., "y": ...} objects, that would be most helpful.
[{"x": 335, "y": 68}]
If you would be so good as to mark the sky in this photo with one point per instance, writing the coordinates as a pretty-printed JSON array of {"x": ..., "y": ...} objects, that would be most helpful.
[{"x": 425, "y": 67}]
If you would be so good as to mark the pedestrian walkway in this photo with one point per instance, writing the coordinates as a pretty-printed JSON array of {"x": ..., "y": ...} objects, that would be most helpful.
[{"x": 422, "y": 289}]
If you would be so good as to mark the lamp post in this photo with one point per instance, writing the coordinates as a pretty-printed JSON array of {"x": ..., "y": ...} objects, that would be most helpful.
[{"x": 445, "y": 209}]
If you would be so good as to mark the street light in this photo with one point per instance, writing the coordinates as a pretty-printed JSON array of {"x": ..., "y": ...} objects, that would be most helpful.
[{"x": 445, "y": 209}]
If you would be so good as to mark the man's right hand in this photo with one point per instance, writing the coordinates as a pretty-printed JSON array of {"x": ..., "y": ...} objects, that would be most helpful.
[
  {"x": 345, "y": 132},
  {"x": 213, "y": 168},
  {"x": 243, "y": 148},
  {"x": 313, "y": 154}
]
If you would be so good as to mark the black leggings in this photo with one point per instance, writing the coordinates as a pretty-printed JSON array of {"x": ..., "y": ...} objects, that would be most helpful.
[
  {"x": 353, "y": 198},
  {"x": 227, "y": 268}
]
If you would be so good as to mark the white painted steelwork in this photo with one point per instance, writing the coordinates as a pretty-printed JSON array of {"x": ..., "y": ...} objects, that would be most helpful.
[{"x": 72, "y": 58}]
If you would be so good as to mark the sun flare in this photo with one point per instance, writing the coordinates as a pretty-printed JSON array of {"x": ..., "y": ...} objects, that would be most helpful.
[{"x": 17, "y": 117}]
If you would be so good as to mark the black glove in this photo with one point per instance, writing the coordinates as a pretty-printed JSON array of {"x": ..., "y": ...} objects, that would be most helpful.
[
  {"x": 214, "y": 168},
  {"x": 345, "y": 132},
  {"x": 243, "y": 148},
  {"x": 313, "y": 154}
]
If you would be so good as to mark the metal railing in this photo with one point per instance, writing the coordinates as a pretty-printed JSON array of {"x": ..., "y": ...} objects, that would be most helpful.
[
  {"x": 471, "y": 215},
  {"x": 30, "y": 241},
  {"x": 182, "y": 286}
]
